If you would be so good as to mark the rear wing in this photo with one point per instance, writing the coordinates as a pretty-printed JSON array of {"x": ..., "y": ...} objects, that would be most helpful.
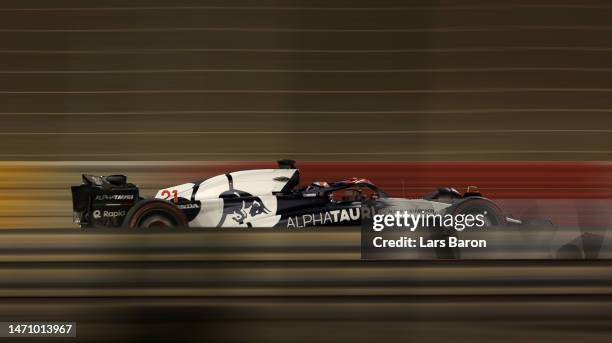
[{"x": 103, "y": 201}]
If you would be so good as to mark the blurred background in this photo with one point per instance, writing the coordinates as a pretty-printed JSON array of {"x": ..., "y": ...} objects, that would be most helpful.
[
  {"x": 168, "y": 91},
  {"x": 334, "y": 80}
]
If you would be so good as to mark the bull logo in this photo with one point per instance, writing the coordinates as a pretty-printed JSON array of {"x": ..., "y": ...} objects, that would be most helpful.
[{"x": 241, "y": 207}]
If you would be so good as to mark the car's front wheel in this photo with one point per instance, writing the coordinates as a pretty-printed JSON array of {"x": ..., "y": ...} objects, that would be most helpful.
[{"x": 490, "y": 212}]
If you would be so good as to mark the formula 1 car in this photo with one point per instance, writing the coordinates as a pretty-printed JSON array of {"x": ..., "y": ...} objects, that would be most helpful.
[{"x": 256, "y": 198}]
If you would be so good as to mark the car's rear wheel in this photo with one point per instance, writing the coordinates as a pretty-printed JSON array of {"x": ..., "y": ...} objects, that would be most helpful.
[{"x": 155, "y": 213}]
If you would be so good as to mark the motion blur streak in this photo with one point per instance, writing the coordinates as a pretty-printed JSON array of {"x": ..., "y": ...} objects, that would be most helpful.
[
  {"x": 455, "y": 80},
  {"x": 274, "y": 285},
  {"x": 37, "y": 195},
  {"x": 460, "y": 80}
]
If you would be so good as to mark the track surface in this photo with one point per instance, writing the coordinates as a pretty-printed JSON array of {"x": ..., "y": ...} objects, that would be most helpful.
[{"x": 264, "y": 285}]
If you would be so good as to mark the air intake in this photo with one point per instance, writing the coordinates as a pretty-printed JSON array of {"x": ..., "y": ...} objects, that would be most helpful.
[{"x": 286, "y": 164}]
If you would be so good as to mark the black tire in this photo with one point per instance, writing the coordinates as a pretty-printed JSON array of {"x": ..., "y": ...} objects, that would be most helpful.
[
  {"x": 492, "y": 213},
  {"x": 154, "y": 213}
]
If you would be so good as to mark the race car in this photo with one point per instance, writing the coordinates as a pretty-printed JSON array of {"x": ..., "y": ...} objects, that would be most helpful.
[{"x": 257, "y": 198}]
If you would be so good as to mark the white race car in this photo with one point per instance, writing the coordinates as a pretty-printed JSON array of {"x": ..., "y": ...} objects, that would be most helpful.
[{"x": 256, "y": 198}]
